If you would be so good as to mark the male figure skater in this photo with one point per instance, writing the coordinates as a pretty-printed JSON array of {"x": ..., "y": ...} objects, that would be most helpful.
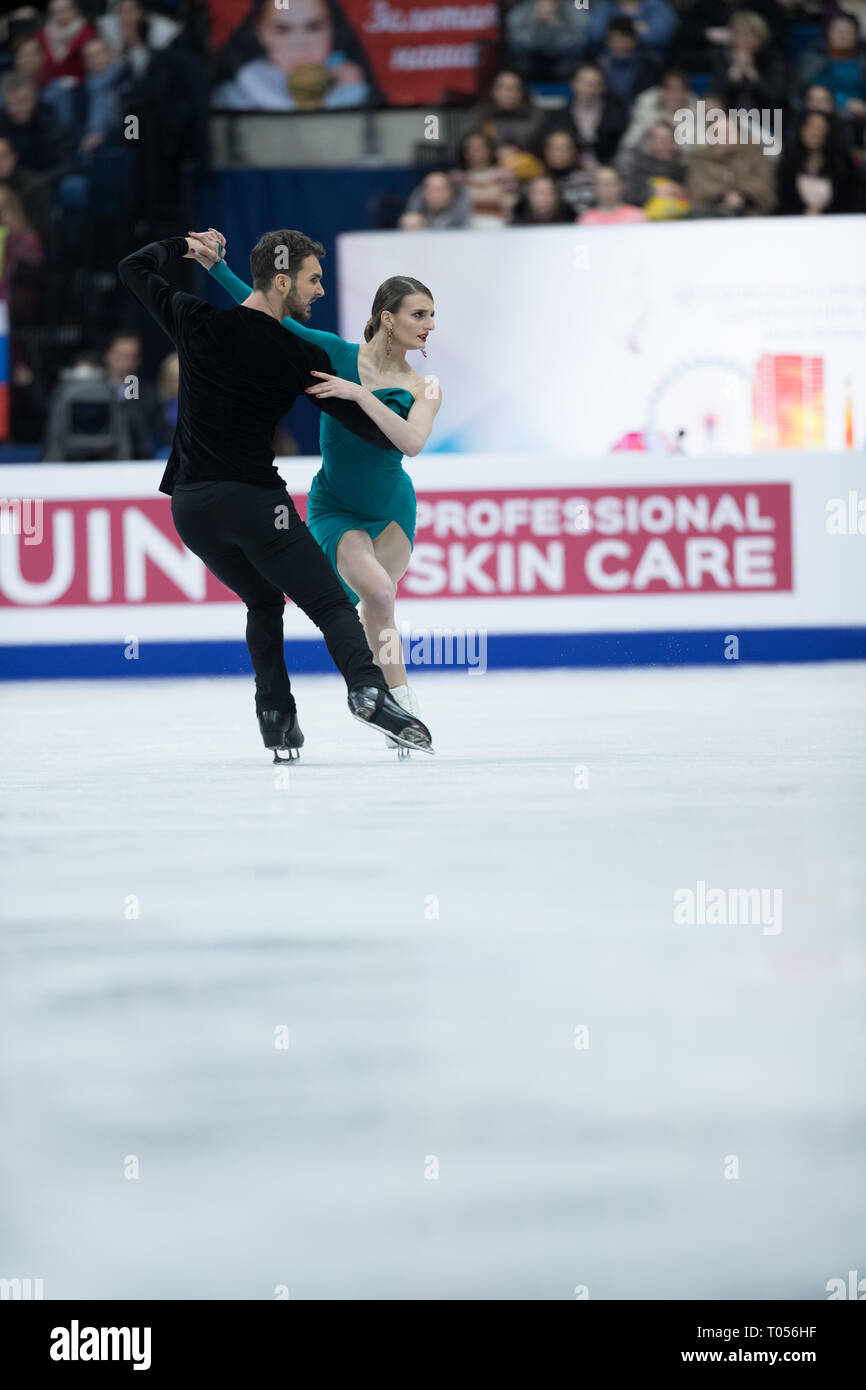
[{"x": 240, "y": 372}]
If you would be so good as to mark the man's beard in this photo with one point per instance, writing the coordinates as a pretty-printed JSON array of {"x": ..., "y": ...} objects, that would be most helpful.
[{"x": 294, "y": 307}]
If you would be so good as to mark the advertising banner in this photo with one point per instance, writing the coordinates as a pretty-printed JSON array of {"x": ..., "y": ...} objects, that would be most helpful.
[
  {"x": 555, "y": 562},
  {"x": 312, "y": 55},
  {"x": 424, "y": 50},
  {"x": 705, "y": 339}
]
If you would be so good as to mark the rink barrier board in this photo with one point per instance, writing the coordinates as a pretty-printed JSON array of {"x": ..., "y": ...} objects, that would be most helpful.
[
  {"x": 126, "y": 572},
  {"x": 505, "y": 651}
]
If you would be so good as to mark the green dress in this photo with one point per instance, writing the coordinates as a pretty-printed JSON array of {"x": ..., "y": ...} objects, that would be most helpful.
[{"x": 359, "y": 486}]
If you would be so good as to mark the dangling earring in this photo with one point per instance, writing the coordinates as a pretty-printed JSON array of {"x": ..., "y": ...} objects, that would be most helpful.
[
  {"x": 423, "y": 350},
  {"x": 388, "y": 341}
]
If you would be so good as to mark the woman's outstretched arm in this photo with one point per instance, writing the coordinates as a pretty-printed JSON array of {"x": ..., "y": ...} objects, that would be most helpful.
[{"x": 231, "y": 282}]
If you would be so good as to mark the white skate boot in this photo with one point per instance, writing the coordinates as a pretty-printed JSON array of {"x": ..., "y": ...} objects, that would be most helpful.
[{"x": 406, "y": 697}]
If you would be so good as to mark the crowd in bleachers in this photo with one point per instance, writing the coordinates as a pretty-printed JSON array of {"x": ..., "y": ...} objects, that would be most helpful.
[
  {"x": 103, "y": 128},
  {"x": 585, "y": 121},
  {"x": 582, "y": 123}
]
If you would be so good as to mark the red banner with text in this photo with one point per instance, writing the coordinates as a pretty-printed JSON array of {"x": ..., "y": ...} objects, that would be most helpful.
[
  {"x": 502, "y": 543},
  {"x": 424, "y": 51}
]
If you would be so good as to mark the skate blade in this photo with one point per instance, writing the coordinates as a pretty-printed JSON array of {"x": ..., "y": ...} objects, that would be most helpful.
[
  {"x": 408, "y": 738},
  {"x": 412, "y": 740},
  {"x": 291, "y": 755},
  {"x": 401, "y": 752}
]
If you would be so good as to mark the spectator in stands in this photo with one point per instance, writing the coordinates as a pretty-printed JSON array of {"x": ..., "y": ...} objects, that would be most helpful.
[
  {"x": 840, "y": 64},
  {"x": 166, "y": 89},
  {"x": 165, "y": 414},
  {"x": 571, "y": 171},
  {"x": 122, "y": 359},
  {"x": 818, "y": 98},
  {"x": 62, "y": 39},
  {"x": 101, "y": 95},
  {"x": 27, "y": 57},
  {"x": 126, "y": 31},
  {"x": 492, "y": 190},
  {"x": 507, "y": 114},
  {"x": 19, "y": 245},
  {"x": 595, "y": 117},
  {"x": 610, "y": 207},
  {"x": 748, "y": 73},
  {"x": 31, "y": 189},
  {"x": 626, "y": 69},
  {"x": 730, "y": 179},
  {"x": 855, "y": 8},
  {"x": 31, "y": 126},
  {"x": 672, "y": 95},
  {"x": 284, "y": 55},
  {"x": 22, "y": 20},
  {"x": 520, "y": 164},
  {"x": 541, "y": 205},
  {"x": 440, "y": 202},
  {"x": 654, "y": 21},
  {"x": 122, "y": 362},
  {"x": 816, "y": 175},
  {"x": 705, "y": 25},
  {"x": 703, "y": 33},
  {"x": 412, "y": 222},
  {"x": 546, "y": 38},
  {"x": 131, "y": 30},
  {"x": 656, "y": 170}
]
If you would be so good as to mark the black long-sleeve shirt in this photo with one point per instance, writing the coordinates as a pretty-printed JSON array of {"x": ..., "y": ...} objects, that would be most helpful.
[{"x": 240, "y": 372}]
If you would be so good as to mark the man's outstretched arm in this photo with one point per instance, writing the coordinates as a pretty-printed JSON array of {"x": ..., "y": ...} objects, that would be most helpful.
[
  {"x": 139, "y": 273},
  {"x": 347, "y": 413}
]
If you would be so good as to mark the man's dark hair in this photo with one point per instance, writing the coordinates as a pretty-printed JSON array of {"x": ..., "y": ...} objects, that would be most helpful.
[
  {"x": 621, "y": 24},
  {"x": 280, "y": 253}
]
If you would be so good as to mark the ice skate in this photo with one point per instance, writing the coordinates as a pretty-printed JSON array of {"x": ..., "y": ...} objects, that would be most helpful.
[
  {"x": 281, "y": 731},
  {"x": 405, "y": 696},
  {"x": 378, "y": 709}
]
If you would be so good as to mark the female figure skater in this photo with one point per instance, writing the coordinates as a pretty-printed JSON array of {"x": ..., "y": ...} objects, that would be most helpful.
[{"x": 361, "y": 503}]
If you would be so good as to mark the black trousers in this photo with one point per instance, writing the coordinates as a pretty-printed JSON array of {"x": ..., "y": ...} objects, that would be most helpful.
[{"x": 253, "y": 540}]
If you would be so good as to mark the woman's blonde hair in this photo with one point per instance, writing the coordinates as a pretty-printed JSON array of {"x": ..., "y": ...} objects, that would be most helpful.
[{"x": 749, "y": 19}]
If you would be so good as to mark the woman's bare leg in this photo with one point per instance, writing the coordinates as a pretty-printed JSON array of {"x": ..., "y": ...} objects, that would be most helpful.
[{"x": 373, "y": 569}]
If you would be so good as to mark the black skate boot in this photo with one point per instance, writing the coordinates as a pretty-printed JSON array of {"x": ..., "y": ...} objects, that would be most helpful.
[
  {"x": 281, "y": 731},
  {"x": 379, "y": 710}
]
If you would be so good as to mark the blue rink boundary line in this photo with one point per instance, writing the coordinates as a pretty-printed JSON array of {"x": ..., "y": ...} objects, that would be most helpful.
[{"x": 505, "y": 651}]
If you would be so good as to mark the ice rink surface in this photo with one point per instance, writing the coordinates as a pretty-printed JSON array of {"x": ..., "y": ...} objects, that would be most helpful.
[{"x": 432, "y": 934}]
